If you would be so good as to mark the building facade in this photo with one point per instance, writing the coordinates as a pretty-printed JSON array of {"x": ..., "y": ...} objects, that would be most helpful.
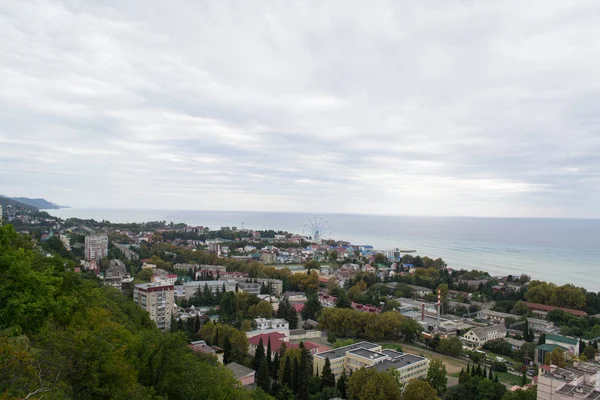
[
  {"x": 370, "y": 355},
  {"x": 477, "y": 337},
  {"x": 96, "y": 247},
  {"x": 158, "y": 299}
]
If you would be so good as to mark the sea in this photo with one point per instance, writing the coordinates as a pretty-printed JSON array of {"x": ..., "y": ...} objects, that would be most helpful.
[{"x": 554, "y": 250}]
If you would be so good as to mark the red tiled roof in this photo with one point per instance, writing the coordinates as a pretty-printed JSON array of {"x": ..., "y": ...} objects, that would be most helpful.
[
  {"x": 544, "y": 307},
  {"x": 275, "y": 337},
  {"x": 298, "y": 307}
]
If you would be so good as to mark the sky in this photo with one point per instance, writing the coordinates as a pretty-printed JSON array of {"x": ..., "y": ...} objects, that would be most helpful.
[{"x": 449, "y": 107}]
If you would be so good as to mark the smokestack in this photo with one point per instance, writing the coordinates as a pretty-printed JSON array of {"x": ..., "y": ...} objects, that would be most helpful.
[{"x": 439, "y": 307}]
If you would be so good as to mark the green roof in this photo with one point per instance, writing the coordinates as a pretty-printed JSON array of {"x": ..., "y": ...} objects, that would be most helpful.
[
  {"x": 562, "y": 339},
  {"x": 549, "y": 347}
]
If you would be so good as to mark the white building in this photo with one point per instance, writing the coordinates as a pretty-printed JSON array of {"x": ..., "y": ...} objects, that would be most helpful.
[
  {"x": 96, "y": 247},
  {"x": 371, "y": 355},
  {"x": 275, "y": 323},
  {"x": 581, "y": 382},
  {"x": 477, "y": 337}
]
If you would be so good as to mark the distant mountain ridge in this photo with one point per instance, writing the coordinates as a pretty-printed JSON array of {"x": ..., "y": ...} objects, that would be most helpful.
[
  {"x": 7, "y": 201},
  {"x": 42, "y": 204}
]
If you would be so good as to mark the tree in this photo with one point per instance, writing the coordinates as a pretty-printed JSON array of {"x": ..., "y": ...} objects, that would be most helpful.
[
  {"x": 434, "y": 342},
  {"x": 286, "y": 377},
  {"x": 269, "y": 355},
  {"x": 529, "y": 394},
  {"x": 343, "y": 301},
  {"x": 410, "y": 329},
  {"x": 542, "y": 339},
  {"x": 590, "y": 352},
  {"x": 444, "y": 290},
  {"x": 305, "y": 372},
  {"x": 259, "y": 355},
  {"x": 342, "y": 384},
  {"x": 311, "y": 307},
  {"x": 451, "y": 346},
  {"x": 227, "y": 350},
  {"x": 285, "y": 393},
  {"x": 295, "y": 375},
  {"x": 312, "y": 264},
  {"x": 327, "y": 377},
  {"x": 436, "y": 375},
  {"x": 275, "y": 367},
  {"x": 556, "y": 357},
  {"x": 419, "y": 390},
  {"x": 520, "y": 308},
  {"x": 368, "y": 384},
  {"x": 263, "y": 380}
]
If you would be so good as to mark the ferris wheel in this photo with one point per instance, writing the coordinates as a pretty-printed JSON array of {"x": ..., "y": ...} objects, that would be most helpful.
[{"x": 317, "y": 229}]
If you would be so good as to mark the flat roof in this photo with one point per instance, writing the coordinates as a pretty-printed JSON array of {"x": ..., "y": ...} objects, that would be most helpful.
[
  {"x": 373, "y": 355},
  {"x": 341, "y": 351},
  {"x": 399, "y": 362}
]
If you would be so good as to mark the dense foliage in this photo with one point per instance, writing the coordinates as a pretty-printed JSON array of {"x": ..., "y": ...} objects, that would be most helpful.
[{"x": 62, "y": 336}]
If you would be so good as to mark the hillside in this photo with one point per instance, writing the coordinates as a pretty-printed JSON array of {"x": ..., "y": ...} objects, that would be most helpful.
[
  {"x": 62, "y": 336},
  {"x": 42, "y": 204},
  {"x": 7, "y": 201}
]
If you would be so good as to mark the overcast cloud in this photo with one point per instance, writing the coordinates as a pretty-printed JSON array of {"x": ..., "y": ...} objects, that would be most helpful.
[{"x": 399, "y": 107}]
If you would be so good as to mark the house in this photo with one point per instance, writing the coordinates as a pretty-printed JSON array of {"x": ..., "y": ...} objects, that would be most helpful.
[
  {"x": 276, "y": 323},
  {"x": 455, "y": 294},
  {"x": 571, "y": 345},
  {"x": 370, "y": 355},
  {"x": 421, "y": 291},
  {"x": 366, "y": 308},
  {"x": 302, "y": 334},
  {"x": 474, "y": 283},
  {"x": 542, "y": 310},
  {"x": 200, "y": 346},
  {"x": 477, "y": 337},
  {"x": 243, "y": 374},
  {"x": 515, "y": 343},
  {"x": 276, "y": 339},
  {"x": 496, "y": 317},
  {"x": 542, "y": 326}
]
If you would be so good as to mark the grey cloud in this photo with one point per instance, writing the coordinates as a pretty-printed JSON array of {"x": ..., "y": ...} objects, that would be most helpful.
[{"x": 435, "y": 107}]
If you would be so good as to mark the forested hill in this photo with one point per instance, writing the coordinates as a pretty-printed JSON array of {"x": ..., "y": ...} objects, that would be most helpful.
[
  {"x": 64, "y": 337},
  {"x": 7, "y": 201},
  {"x": 42, "y": 204}
]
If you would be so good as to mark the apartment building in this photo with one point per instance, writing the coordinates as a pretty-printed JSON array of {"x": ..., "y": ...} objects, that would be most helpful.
[
  {"x": 158, "y": 299},
  {"x": 580, "y": 381},
  {"x": 96, "y": 247}
]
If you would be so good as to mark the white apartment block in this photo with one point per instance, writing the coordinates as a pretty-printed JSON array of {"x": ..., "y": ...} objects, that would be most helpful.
[
  {"x": 189, "y": 288},
  {"x": 158, "y": 299},
  {"x": 96, "y": 247},
  {"x": 578, "y": 382}
]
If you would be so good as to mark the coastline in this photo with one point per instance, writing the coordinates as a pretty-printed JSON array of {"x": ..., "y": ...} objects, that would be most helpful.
[{"x": 540, "y": 248}]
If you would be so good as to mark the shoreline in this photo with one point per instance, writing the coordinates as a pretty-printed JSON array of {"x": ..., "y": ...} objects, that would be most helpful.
[{"x": 498, "y": 254}]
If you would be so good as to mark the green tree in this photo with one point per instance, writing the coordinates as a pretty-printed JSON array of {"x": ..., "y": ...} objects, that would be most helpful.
[
  {"x": 370, "y": 384},
  {"x": 327, "y": 377},
  {"x": 451, "y": 346},
  {"x": 419, "y": 390},
  {"x": 343, "y": 301},
  {"x": 259, "y": 355},
  {"x": 311, "y": 307},
  {"x": 263, "y": 380},
  {"x": 410, "y": 329},
  {"x": 227, "y": 348},
  {"x": 342, "y": 384},
  {"x": 286, "y": 377},
  {"x": 437, "y": 376},
  {"x": 312, "y": 264}
]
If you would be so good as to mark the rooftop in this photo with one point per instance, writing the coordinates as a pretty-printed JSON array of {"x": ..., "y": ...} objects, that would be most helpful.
[
  {"x": 341, "y": 351},
  {"x": 373, "y": 355},
  {"x": 239, "y": 371},
  {"x": 562, "y": 339},
  {"x": 404, "y": 360}
]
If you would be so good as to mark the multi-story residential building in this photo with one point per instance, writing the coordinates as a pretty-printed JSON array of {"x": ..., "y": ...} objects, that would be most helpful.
[
  {"x": 477, "y": 337},
  {"x": 116, "y": 275},
  {"x": 371, "y": 355},
  {"x": 580, "y": 381},
  {"x": 158, "y": 299},
  {"x": 65, "y": 241},
  {"x": 96, "y": 247},
  {"x": 542, "y": 326}
]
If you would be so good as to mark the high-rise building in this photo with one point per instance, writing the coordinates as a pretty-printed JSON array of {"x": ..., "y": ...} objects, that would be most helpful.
[
  {"x": 96, "y": 247},
  {"x": 0, "y": 215},
  {"x": 158, "y": 299}
]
